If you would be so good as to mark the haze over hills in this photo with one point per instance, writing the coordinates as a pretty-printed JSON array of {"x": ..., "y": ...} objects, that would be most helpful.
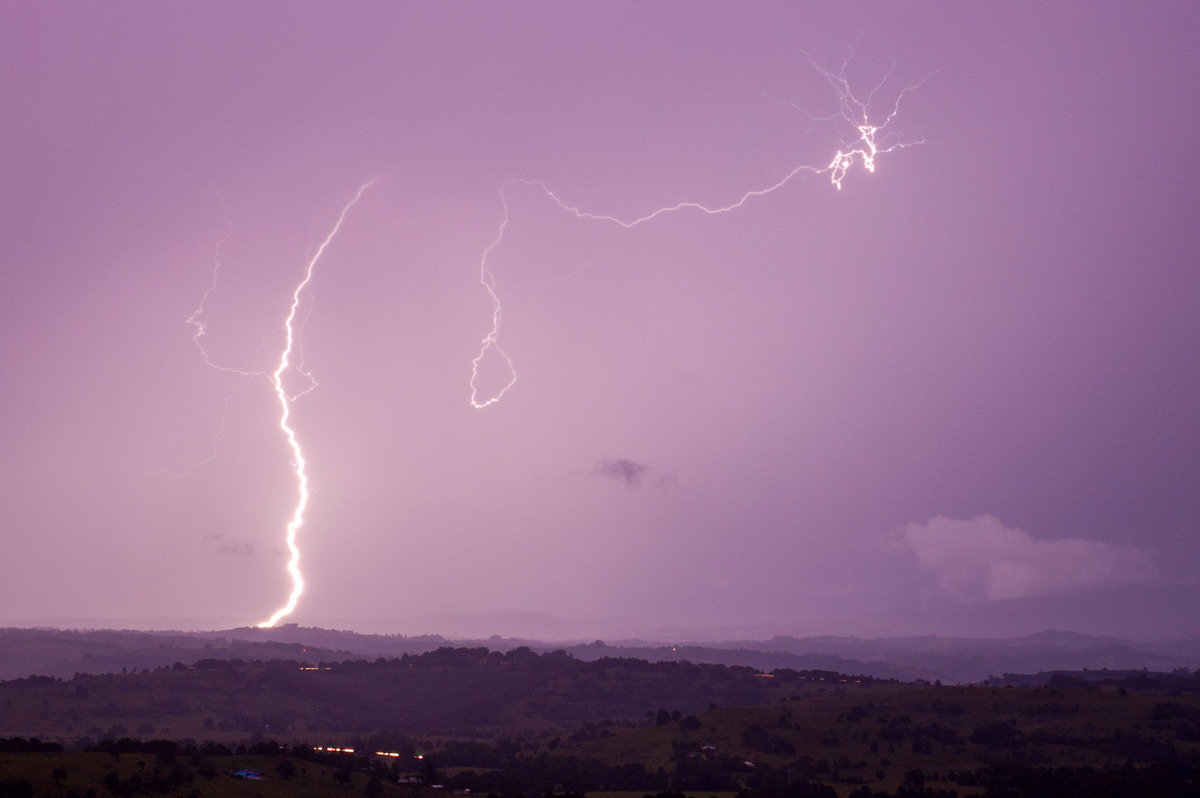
[
  {"x": 62, "y": 653},
  {"x": 1094, "y": 613}
]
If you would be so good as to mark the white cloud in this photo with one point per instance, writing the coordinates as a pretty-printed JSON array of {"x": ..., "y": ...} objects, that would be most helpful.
[{"x": 983, "y": 560}]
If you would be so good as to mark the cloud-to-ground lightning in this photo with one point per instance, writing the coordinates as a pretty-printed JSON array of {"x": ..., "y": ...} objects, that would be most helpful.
[
  {"x": 864, "y": 149},
  {"x": 285, "y": 399}
]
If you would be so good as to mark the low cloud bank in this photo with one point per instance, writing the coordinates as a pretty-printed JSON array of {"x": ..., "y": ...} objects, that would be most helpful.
[{"x": 983, "y": 560}]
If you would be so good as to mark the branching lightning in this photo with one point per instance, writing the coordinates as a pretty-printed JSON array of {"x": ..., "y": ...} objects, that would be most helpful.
[
  {"x": 864, "y": 145},
  {"x": 199, "y": 329},
  {"x": 276, "y": 378},
  {"x": 864, "y": 149}
]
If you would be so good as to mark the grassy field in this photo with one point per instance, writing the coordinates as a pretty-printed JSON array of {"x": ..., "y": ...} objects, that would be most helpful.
[
  {"x": 60, "y": 775},
  {"x": 879, "y": 736}
]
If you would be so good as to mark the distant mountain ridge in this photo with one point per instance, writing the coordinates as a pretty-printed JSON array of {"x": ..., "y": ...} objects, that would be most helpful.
[{"x": 62, "y": 653}]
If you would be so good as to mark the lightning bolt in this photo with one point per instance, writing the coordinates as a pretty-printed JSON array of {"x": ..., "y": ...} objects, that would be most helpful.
[
  {"x": 285, "y": 411},
  {"x": 276, "y": 379},
  {"x": 864, "y": 149}
]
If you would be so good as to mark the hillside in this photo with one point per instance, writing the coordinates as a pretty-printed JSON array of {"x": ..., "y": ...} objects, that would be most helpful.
[
  {"x": 520, "y": 723},
  {"x": 444, "y": 691}
]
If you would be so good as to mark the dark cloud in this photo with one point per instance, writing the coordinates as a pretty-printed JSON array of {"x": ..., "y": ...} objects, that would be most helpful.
[
  {"x": 622, "y": 468},
  {"x": 225, "y": 546}
]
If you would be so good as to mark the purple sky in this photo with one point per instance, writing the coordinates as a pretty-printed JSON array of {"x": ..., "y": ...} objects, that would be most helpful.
[{"x": 959, "y": 396}]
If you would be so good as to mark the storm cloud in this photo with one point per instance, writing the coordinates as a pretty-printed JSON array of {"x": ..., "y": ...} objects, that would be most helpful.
[{"x": 983, "y": 560}]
